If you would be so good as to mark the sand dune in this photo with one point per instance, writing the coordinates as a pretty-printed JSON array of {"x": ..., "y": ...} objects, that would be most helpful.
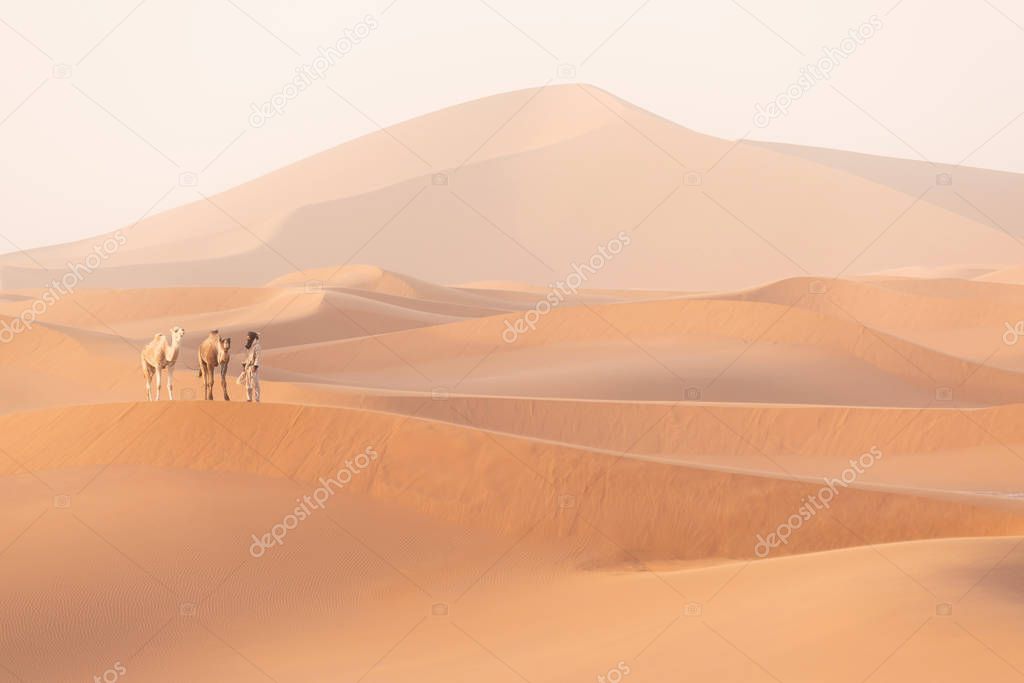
[
  {"x": 569, "y": 480},
  {"x": 898, "y": 305},
  {"x": 963, "y": 318},
  {"x": 515, "y": 485},
  {"x": 788, "y": 342},
  {"x": 729, "y": 350},
  {"x": 932, "y": 448},
  {"x": 131, "y": 599},
  {"x": 1013, "y": 276},
  {"x": 990, "y": 197},
  {"x": 373, "y": 282},
  {"x": 140, "y": 313},
  {"x": 564, "y": 145}
]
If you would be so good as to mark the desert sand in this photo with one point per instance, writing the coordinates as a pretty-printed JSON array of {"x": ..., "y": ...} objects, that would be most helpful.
[{"x": 794, "y": 338}]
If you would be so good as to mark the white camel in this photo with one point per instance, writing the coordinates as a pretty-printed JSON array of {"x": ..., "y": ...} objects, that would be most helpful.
[{"x": 158, "y": 355}]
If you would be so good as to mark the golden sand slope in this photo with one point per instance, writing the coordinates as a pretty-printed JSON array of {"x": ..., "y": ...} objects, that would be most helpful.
[
  {"x": 655, "y": 350},
  {"x": 85, "y": 347},
  {"x": 651, "y": 510},
  {"x": 876, "y": 342},
  {"x": 959, "y": 317},
  {"x": 511, "y": 536},
  {"x": 926, "y": 449},
  {"x": 318, "y": 314},
  {"x": 150, "y": 567}
]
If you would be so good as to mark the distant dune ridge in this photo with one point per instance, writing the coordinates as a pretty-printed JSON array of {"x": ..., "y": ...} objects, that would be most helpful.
[
  {"x": 569, "y": 166},
  {"x": 777, "y": 436}
]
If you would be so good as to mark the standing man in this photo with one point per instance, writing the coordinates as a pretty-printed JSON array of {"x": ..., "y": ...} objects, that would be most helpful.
[{"x": 251, "y": 368}]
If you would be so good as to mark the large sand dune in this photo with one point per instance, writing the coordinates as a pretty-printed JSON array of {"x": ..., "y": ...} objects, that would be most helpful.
[
  {"x": 661, "y": 470},
  {"x": 705, "y": 213}
]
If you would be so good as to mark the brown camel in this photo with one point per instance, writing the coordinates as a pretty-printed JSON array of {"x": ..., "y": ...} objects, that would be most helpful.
[{"x": 214, "y": 352}]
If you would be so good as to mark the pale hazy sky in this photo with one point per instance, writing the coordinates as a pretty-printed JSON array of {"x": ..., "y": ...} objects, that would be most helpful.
[{"x": 105, "y": 104}]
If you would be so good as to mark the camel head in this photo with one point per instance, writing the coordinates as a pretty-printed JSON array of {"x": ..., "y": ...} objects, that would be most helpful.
[
  {"x": 223, "y": 349},
  {"x": 177, "y": 334}
]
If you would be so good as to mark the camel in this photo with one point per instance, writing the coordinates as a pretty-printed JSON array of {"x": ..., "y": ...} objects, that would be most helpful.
[
  {"x": 214, "y": 352},
  {"x": 158, "y": 355}
]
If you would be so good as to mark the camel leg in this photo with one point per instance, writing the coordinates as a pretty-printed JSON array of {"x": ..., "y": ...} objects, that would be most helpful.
[
  {"x": 170, "y": 382},
  {"x": 224, "y": 381},
  {"x": 159, "y": 382},
  {"x": 149, "y": 381},
  {"x": 207, "y": 381}
]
